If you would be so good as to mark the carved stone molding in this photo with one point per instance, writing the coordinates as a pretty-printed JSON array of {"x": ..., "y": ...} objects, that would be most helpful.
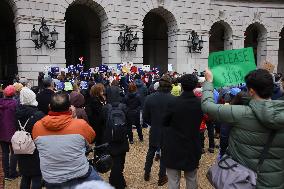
[
  {"x": 257, "y": 17},
  {"x": 161, "y": 3}
]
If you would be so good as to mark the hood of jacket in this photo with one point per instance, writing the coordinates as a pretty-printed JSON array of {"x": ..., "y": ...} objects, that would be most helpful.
[
  {"x": 269, "y": 112},
  {"x": 56, "y": 121},
  {"x": 139, "y": 83},
  {"x": 25, "y": 111}
]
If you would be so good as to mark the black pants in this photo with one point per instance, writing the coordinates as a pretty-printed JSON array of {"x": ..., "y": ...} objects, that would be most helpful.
[
  {"x": 130, "y": 133},
  {"x": 149, "y": 161},
  {"x": 27, "y": 181},
  {"x": 9, "y": 160},
  {"x": 210, "y": 130},
  {"x": 116, "y": 178}
]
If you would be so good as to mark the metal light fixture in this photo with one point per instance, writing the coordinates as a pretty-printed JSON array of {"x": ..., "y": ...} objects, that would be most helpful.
[
  {"x": 41, "y": 37},
  {"x": 195, "y": 45},
  {"x": 127, "y": 41}
]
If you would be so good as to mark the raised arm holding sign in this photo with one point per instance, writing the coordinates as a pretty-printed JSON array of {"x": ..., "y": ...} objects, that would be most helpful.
[{"x": 230, "y": 67}]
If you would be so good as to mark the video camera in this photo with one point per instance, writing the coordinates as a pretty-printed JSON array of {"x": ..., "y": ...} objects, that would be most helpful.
[{"x": 101, "y": 160}]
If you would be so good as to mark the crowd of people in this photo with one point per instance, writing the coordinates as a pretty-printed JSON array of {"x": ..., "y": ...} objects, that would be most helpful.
[{"x": 177, "y": 109}]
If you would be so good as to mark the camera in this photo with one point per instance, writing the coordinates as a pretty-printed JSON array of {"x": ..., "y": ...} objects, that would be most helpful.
[{"x": 101, "y": 160}]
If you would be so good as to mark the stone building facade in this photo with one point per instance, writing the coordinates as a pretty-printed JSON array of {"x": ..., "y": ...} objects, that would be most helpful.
[{"x": 91, "y": 28}]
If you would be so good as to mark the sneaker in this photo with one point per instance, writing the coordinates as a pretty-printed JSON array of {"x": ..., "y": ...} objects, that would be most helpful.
[
  {"x": 211, "y": 150},
  {"x": 157, "y": 157},
  {"x": 146, "y": 176},
  {"x": 162, "y": 181}
]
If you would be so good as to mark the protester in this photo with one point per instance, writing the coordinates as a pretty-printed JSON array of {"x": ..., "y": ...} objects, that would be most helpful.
[
  {"x": 78, "y": 102},
  {"x": 141, "y": 89},
  {"x": 153, "y": 112},
  {"x": 43, "y": 98},
  {"x": 237, "y": 99},
  {"x": 8, "y": 128},
  {"x": 27, "y": 114},
  {"x": 61, "y": 142},
  {"x": 133, "y": 105},
  {"x": 18, "y": 87},
  {"x": 113, "y": 113},
  {"x": 181, "y": 149},
  {"x": 24, "y": 81},
  {"x": 94, "y": 111},
  {"x": 252, "y": 125},
  {"x": 112, "y": 91},
  {"x": 176, "y": 90}
]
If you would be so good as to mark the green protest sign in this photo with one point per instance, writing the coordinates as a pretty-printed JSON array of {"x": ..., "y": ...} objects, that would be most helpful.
[{"x": 231, "y": 66}]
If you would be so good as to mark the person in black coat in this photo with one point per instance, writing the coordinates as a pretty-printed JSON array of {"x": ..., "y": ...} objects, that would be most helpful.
[
  {"x": 116, "y": 149},
  {"x": 153, "y": 112},
  {"x": 112, "y": 91},
  {"x": 43, "y": 97},
  {"x": 29, "y": 165},
  {"x": 94, "y": 107},
  {"x": 181, "y": 148},
  {"x": 133, "y": 105}
]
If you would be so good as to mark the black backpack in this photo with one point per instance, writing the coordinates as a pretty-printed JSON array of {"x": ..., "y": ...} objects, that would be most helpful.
[{"x": 116, "y": 123}]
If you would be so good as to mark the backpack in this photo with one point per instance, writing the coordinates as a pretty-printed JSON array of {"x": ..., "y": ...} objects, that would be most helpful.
[
  {"x": 116, "y": 123},
  {"x": 22, "y": 141}
]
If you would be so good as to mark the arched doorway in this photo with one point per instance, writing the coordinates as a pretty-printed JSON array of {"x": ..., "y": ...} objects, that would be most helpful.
[
  {"x": 255, "y": 37},
  {"x": 83, "y": 35},
  {"x": 157, "y": 43},
  {"x": 281, "y": 53},
  {"x": 8, "y": 50},
  {"x": 220, "y": 37}
]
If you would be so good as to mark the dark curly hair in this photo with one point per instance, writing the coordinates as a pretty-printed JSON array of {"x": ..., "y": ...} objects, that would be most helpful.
[
  {"x": 261, "y": 82},
  {"x": 188, "y": 82}
]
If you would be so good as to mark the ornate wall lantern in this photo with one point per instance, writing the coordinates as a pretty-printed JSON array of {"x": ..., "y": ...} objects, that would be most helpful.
[
  {"x": 41, "y": 37},
  {"x": 127, "y": 41},
  {"x": 195, "y": 45}
]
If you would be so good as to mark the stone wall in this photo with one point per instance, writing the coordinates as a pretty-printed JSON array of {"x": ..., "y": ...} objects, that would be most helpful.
[{"x": 182, "y": 16}]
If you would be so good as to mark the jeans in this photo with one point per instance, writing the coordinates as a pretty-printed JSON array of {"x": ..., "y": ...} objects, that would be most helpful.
[
  {"x": 149, "y": 162},
  {"x": 74, "y": 182},
  {"x": 130, "y": 133},
  {"x": 116, "y": 178},
  {"x": 27, "y": 181},
  {"x": 175, "y": 175},
  {"x": 224, "y": 138},
  {"x": 9, "y": 161}
]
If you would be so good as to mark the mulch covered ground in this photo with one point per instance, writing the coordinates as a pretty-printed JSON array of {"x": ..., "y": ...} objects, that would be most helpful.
[{"x": 134, "y": 168}]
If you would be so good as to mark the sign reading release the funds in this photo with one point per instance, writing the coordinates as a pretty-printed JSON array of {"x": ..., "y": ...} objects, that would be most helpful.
[{"x": 230, "y": 67}]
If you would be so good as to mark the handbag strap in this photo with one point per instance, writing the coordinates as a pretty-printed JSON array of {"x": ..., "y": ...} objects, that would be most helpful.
[{"x": 265, "y": 150}]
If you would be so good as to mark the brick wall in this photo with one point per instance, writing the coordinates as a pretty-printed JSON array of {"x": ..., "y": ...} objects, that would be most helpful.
[{"x": 182, "y": 16}]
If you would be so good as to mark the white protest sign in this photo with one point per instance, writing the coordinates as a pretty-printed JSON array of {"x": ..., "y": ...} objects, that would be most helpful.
[
  {"x": 170, "y": 67},
  {"x": 146, "y": 68}
]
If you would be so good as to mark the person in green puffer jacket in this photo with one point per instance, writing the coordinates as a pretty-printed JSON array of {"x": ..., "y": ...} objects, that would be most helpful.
[{"x": 251, "y": 126}]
